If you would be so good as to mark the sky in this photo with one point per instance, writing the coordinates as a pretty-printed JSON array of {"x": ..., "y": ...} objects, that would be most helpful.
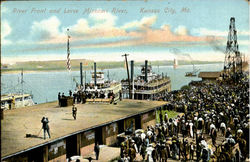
[{"x": 105, "y": 30}]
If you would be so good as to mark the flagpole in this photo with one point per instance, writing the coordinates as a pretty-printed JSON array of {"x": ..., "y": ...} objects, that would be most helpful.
[
  {"x": 68, "y": 53},
  {"x": 68, "y": 59}
]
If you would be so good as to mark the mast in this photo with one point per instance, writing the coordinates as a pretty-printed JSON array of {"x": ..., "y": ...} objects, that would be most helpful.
[
  {"x": 22, "y": 87},
  {"x": 126, "y": 61},
  {"x": 85, "y": 80}
]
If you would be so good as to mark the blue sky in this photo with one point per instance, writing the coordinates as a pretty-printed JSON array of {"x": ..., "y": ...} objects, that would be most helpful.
[{"x": 104, "y": 30}]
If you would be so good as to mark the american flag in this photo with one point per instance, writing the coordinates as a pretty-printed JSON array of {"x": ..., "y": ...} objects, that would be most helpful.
[{"x": 68, "y": 53}]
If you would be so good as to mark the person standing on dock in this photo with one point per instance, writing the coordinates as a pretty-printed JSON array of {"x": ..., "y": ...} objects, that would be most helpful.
[
  {"x": 13, "y": 103},
  {"x": 74, "y": 110},
  {"x": 45, "y": 127},
  {"x": 97, "y": 150},
  {"x": 59, "y": 99}
]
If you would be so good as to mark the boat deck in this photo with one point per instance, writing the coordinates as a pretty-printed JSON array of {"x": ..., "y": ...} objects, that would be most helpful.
[{"x": 19, "y": 122}]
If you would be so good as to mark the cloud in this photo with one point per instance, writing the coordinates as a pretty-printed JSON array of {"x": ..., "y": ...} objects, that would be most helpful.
[
  {"x": 80, "y": 27},
  {"x": 145, "y": 22},
  {"x": 100, "y": 30},
  {"x": 47, "y": 31},
  {"x": 104, "y": 26},
  {"x": 181, "y": 30},
  {"x": 209, "y": 32},
  {"x": 103, "y": 20},
  {"x": 244, "y": 33},
  {"x": 103, "y": 29},
  {"x": 166, "y": 35},
  {"x": 244, "y": 42},
  {"x": 6, "y": 30},
  {"x": 138, "y": 32}
]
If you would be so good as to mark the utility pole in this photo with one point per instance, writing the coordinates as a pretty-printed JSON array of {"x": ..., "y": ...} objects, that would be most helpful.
[{"x": 129, "y": 87}]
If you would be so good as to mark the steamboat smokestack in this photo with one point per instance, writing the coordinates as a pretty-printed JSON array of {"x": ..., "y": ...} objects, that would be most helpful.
[
  {"x": 95, "y": 72},
  {"x": 146, "y": 70},
  {"x": 132, "y": 70},
  {"x": 81, "y": 73}
]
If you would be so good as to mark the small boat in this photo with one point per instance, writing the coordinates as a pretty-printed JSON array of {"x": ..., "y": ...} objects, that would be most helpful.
[
  {"x": 16, "y": 100},
  {"x": 12, "y": 101},
  {"x": 193, "y": 73}
]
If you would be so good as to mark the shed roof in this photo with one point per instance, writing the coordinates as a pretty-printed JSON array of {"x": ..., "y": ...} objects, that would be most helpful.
[{"x": 209, "y": 74}]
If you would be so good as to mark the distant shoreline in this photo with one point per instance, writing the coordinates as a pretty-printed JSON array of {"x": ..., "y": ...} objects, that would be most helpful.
[
  {"x": 31, "y": 71},
  {"x": 28, "y": 71}
]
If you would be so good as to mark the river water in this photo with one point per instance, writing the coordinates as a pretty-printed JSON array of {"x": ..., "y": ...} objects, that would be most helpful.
[{"x": 45, "y": 86}]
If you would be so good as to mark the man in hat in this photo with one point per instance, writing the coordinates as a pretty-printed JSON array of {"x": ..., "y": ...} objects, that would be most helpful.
[
  {"x": 192, "y": 147},
  {"x": 185, "y": 149},
  {"x": 97, "y": 150},
  {"x": 223, "y": 128},
  {"x": 200, "y": 124},
  {"x": 166, "y": 117},
  {"x": 149, "y": 152},
  {"x": 45, "y": 127},
  {"x": 74, "y": 111},
  {"x": 174, "y": 147},
  {"x": 213, "y": 135},
  {"x": 132, "y": 151},
  {"x": 143, "y": 151},
  {"x": 154, "y": 154},
  {"x": 59, "y": 99},
  {"x": 163, "y": 153}
]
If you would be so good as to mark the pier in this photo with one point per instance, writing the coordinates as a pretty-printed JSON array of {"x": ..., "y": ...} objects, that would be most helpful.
[{"x": 95, "y": 123}]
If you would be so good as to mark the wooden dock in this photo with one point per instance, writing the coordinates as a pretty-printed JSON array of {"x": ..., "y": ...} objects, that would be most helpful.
[{"x": 19, "y": 122}]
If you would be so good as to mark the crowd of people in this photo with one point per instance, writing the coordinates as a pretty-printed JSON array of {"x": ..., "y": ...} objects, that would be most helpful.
[
  {"x": 80, "y": 95},
  {"x": 214, "y": 125}
]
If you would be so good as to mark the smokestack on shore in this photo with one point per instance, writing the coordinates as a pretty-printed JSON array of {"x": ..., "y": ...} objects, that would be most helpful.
[{"x": 132, "y": 70}]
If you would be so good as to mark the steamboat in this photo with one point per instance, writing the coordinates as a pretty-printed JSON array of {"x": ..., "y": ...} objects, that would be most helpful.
[
  {"x": 146, "y": 86},
  {"x": 16, "y": 99}
]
